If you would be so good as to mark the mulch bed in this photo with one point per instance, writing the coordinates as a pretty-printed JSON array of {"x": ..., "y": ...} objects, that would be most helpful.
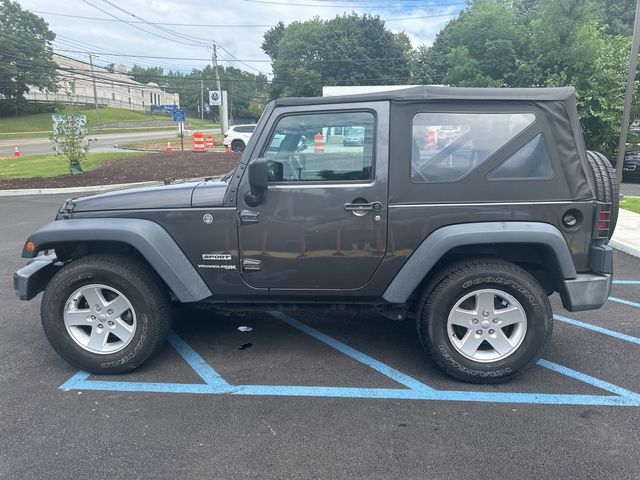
[{"x": 142, "y": 168}]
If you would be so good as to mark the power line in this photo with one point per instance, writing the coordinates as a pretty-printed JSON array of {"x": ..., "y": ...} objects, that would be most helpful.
[
  {"x": 205, "y": 59},
  {"x": 222, "y": 25},
  {"x": 172, "y": 32},
  {"x": 139, "y": 28},
  {"x": 316, "y": 5},
  {"x": 154, "y": 25}
]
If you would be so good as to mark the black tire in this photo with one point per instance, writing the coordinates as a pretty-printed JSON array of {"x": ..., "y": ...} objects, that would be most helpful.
[
  {"x": 460, "y": 279},
  {"x": 607, "y": 187},
  {"x": 140, "y": 287},
  {"x": 237, "y": 146}
]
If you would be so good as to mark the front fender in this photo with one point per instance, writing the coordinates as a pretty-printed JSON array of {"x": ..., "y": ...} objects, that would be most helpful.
[
  {"x": 436, "y": 245},
  {"x": 150, "y": 239}
]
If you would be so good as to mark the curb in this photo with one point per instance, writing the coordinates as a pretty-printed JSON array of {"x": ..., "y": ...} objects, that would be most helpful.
[
  {"x": 625, "y": 248},
  {"x": 57, "y": 191},
  {"x": 133, "y": 149}
]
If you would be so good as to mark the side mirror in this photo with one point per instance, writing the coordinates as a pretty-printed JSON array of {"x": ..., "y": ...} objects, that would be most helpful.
[{"x": 258, "y": 182}]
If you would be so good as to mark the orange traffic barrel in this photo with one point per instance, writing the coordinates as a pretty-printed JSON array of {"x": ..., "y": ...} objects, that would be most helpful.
[
  {"x": 198, "y": 142},
  {"x": 431, "y": 140},
  {"x": 209, "y": 141},
  {"x": 318, "y": 143}
]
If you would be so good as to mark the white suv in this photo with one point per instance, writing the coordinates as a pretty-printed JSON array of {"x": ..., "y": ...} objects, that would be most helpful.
[{"x": 238, "y": 136}]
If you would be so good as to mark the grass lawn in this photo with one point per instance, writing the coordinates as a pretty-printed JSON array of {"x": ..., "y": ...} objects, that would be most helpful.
[
  {"x": 160, "y": 143},
  {"x": 41, "y": 122},
  {"x": 51, "y": 165},
  {"x": 631, "y": 203}
]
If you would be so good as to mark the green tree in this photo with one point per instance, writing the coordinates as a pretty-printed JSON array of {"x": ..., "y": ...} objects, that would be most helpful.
[
  {"x": 147, "y": 74},
  {"x": 465, "y": 71},
  {"x": 493, "y": 38},
  {"x": 69, "y": 134},
  {"x": 26, "y": 58},
  {"x": 346, "y": 50},
  {"x": 258, "y": 104},
  {"x": 537, "y": 43}
]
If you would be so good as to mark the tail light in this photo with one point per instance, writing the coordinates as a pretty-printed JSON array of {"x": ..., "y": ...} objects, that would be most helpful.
[{"x": 603, "y": 219}]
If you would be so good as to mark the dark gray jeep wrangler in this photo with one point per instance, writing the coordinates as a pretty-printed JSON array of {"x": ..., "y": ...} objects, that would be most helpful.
[{"x": 462, "y": 208}]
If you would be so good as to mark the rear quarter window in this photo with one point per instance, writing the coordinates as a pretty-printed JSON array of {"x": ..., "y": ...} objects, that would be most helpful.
[{"x": 448, "y": 146}]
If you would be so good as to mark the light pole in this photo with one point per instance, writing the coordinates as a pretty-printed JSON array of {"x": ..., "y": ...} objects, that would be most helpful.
[
  {"x": 95, "y": 91},
  {"x": 201, "y": 98},
  {"x": 214, "y": 64},
  {"x": 628, "y": 96}
]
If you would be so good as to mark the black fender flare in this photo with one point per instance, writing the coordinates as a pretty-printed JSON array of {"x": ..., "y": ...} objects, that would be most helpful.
[
  {"x": 152, "y": 241},
  {"x": 444, "y": 239}
]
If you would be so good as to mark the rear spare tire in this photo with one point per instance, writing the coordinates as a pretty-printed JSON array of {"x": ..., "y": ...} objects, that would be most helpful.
[{"x": 607, "y": 187}]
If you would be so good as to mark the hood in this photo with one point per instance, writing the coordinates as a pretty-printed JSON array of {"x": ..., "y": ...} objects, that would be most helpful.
[{"x": 175, "y": 195}]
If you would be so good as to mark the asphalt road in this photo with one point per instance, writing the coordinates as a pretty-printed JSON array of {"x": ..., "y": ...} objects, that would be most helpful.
[
  {"x": 51, "y": 432},
  {"x": 103, "y": 142}
]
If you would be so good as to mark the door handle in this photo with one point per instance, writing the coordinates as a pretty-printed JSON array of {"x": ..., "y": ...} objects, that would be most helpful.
[
  {"x": 360, "y": 209},
  {"x": 248, "y": 216}
]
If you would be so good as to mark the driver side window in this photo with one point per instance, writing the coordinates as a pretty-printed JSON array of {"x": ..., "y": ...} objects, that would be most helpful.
[{"x": 321, "y": 147}]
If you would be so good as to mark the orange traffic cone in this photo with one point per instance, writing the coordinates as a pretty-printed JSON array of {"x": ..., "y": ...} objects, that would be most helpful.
[
  {"x": 431, "y": 140},
  {"x": 16, "y": 152},
  {"x": 167, "y": 149},
  {"x": 228, "y": 150}
]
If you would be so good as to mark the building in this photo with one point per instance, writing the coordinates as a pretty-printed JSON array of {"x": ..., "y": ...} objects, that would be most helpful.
[{"x": 115, "y": 89}]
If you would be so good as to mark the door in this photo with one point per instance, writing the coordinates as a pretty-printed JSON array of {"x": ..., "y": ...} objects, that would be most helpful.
[{"x": 322, "y": 222}]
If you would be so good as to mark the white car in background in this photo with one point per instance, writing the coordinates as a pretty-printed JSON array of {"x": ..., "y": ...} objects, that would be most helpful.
[{"x": 238, "y": 136}]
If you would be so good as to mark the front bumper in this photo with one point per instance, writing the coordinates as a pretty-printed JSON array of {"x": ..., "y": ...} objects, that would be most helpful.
[{"x": 31, "y": 279}]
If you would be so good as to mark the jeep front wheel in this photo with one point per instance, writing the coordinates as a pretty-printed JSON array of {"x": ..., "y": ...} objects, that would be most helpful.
[
  {"x": 105, "y": 313},
  {"x": 485, "y": 320}
]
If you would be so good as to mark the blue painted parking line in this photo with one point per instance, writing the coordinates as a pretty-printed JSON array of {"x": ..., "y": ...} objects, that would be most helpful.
[
  {"x": 626, "y": 282},
  {"x": 595, "y": 328},
  {"x": 195, "y": 361},
  {"x": 416, "y": 390},
  {"x": 384, "y": 369},
  {"x": 583, "y": 377},
  {"x": 626, "y": 302}
]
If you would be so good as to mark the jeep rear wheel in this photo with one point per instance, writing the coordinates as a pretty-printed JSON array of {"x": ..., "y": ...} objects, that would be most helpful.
[
  {"x": 105, "y": 313},
  {"x": 606, "y": 183},
  {"x": 485, "y": 320}
]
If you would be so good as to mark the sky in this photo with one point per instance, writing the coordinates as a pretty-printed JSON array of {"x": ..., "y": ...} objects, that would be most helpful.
[{"x": 237, "y": 26}]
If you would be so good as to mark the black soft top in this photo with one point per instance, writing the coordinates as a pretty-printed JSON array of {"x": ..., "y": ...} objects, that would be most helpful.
[{"x": 425, "y": 92}]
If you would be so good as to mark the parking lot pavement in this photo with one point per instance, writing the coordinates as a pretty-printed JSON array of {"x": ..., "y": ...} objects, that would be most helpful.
[
  {"x": 316, "y": 395},
  {"x": 631, "y": 189}
]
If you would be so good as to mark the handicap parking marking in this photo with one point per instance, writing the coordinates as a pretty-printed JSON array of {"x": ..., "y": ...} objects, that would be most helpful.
[{"x": 415, "y": 390}]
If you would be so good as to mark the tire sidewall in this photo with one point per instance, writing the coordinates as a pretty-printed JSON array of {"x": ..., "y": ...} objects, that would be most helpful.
[
  {"x": 444, "y": 300},
  {"x": 57, "y": 294}
]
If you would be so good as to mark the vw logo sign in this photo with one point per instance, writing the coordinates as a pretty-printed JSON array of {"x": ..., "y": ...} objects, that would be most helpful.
[{"x": 207, "y": 218}]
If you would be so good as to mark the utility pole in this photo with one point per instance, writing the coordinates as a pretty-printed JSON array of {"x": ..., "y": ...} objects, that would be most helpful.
[
  {"x": 95, "y": 91},
  {"x": 628, "y": 96},
  {"x": 201, "y": 98},
  {"x": 214, "y": 64}
]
